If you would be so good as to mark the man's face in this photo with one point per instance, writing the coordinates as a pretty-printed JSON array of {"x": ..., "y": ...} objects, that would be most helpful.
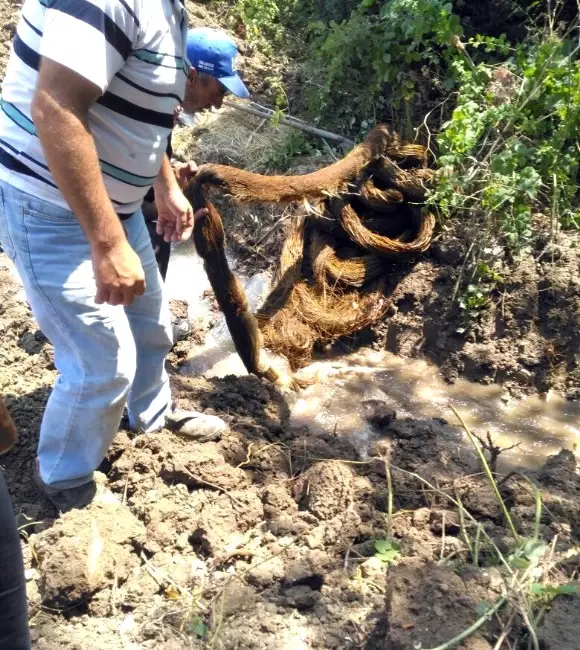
[{"x": 202, "y": 92}]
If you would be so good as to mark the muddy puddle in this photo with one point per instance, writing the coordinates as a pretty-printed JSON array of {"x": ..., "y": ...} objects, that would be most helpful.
[
  {"x": 345, "y": 387},
  {"x": 540, "y": 426}
]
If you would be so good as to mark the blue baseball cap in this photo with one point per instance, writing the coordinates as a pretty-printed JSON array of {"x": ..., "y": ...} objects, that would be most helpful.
[{"x": 212, "y": 51}]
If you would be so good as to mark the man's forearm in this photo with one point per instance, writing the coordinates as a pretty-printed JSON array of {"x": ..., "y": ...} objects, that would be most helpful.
[
  {"x": 166, "y": 180},
  {"x": 72, "y": 157}
]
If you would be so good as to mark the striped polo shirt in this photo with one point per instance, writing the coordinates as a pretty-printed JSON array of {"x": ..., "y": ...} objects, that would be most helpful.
[{"x": 135, "y": 52}]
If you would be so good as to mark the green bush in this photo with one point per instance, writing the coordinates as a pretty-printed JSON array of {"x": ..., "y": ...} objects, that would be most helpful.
[
  {"x": 378, "y": 60},
  {"x": 279, "y": 158},
  {"x": 510, "y": 149},
  {"x": 263, "y": 20}
]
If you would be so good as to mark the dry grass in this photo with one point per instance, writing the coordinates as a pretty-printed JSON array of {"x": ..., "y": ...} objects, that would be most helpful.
[{"x": 229, "y": 137}]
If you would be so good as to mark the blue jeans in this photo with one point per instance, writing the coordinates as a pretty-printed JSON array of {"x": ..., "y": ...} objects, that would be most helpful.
[{"x": 107, "y": 357}]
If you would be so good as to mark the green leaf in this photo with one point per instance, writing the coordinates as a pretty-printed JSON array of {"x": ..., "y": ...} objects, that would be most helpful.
[
  {"x": 387, "y": 551},
  {"x": 541, "y": 590},
  {"x": 198, "y": 627},
  {"x": 533, "y": 549},
  {"x": 520, "y": 563},
  {"x": 482, "y": 608},
  {"x": 385, "y": 545}
]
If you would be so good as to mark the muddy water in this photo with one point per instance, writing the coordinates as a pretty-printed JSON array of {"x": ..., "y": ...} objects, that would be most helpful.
[
  {"x": 540, "y": 426},
  {"x": 414, "y": 388}
]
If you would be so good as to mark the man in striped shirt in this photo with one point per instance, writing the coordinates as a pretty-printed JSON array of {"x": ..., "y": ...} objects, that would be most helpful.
[{"x": 87, "y": 107}]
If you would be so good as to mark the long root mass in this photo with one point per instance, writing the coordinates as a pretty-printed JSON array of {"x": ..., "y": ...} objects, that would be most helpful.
[{"x": 353, "y": 218}]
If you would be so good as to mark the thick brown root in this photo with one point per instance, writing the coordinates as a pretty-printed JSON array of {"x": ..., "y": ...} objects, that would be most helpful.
[
  {"x": 246, "y": 187},
  {"x": 329, "y": 268},
  {"x": 365, "y": 238}
]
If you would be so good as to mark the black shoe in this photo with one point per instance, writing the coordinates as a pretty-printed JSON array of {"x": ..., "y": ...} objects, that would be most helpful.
[{"x": 66, "y": 499}]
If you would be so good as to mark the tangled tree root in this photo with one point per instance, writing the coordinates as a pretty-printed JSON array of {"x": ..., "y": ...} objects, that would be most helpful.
[{"x": 364, "y": 211}]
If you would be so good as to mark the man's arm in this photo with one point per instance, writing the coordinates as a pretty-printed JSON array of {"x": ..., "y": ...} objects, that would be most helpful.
[{"x": 60, "y": 111}]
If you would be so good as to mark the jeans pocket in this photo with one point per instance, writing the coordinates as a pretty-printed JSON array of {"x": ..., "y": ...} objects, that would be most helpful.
[
  {"x": 34, "y": 208},
  {"x": 5, "y": 238}
]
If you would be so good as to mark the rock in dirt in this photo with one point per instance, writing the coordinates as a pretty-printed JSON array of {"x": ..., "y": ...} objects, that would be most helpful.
[
  {"x": 86, "y": 550},
  {"x": 341, "y": 531},
  {"x": 447, "y": 253},
  {"x": 326, "y": 489},
  {"x": 301, "y": 597},
  {"x": 560, "y": 485},
  {"x": 378, "y": 414},
  {"x": 277, "y": 501},
  {"x": 225, "y": 519},
  {"x": 445, "y": 520},
  {"x": 561, "y": 627},
  {"x": 266, "y": 571},
  {"x": 202, "y": 465},
  {"x": 560, "y": 472},
  {"x": 429, "y": 605},
  {"x": 235, "y": 598},
  {"x": 308, "y": 569},
  {"x": 373, "y": 569}
]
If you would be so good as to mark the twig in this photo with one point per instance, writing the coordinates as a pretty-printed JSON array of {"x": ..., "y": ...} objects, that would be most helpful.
[
  {"x": 492, "y": 481},
  {"x": 389, "y": 497},
  {"x": 268, "y": 232},
  {"x": 442, "y": 536},
  {"x": 494, "y": 451},
  {"x": 462, "y": 526},
  {"x": 459, "y": 505},
  {"x": 330, "y": 151},
  {"x": 219, "y": 597},
  {"x": 160, "y": 578},
  {"x": 461, "y": 272},
  {"x": 264, "y": 112},
  {"x": 253, "y": 134},
  {"x": 212, "y": 485},
  {"x": 506, "y": 630}
]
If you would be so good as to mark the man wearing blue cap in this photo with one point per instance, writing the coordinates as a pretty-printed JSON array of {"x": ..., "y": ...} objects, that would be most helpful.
[
  {"x": 212, "y": 73},
  {"x": 84, "y": 127}
]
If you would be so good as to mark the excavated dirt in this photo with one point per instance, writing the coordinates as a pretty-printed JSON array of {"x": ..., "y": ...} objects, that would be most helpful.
[
  {"x": 527, "y": 338},
  {"x": 265, "y": 539}
]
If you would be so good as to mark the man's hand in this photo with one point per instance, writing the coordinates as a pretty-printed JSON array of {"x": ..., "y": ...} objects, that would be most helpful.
[
  {"x": 174, "y": 215},
  {"x": 184, "y": 173},
  {"x": 118, "y": 274}
]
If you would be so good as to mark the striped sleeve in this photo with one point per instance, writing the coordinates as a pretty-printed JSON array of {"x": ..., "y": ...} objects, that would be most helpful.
[{"x": 91, "y": 37}]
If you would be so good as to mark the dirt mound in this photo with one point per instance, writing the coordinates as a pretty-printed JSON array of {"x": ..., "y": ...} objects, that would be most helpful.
[
  {"x": 87, "y": 551},
  {"x": 326, "y": 489},
  {"x": 561, "y": 627},
  {"x": 429, "y": 605}
]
